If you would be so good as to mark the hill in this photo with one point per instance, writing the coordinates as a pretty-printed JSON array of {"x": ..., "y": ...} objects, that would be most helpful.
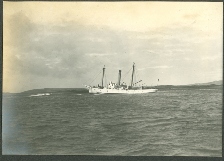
[
  {"x": 220, "y": 82},
  {"x": 214, "y": 84}
]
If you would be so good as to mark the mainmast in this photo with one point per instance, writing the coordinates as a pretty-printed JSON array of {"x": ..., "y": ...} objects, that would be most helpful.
[
  {"x": 103, "y": 74},
  {"x": 119, "y": 78},
  {"x": 133, "y": 71}
]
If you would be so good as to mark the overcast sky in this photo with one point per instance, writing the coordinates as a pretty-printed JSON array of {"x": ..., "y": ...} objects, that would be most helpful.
[{"x": 65, "y": 44}]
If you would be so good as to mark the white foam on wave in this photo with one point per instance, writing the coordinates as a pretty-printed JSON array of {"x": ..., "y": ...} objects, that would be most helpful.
[
  {"x": 98, "y": 93},
  {"x": 40, "y": 94}
]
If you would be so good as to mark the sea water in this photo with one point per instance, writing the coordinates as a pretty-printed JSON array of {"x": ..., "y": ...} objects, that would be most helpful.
[{"x": 170, "y": 122}]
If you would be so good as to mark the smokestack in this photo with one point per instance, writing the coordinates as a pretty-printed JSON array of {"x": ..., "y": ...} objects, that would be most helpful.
[
  {"x": 119, "y": 78},
  {"x": 103, "y": 74}
]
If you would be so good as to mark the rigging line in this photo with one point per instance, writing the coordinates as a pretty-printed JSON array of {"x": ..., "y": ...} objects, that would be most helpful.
[
  {"x": 105, "y": 79},
  {"x": 95, "y": 78},
  {"x": 126, "y": 74},
  {"x": 138, "y": 75},
  {"x": 135, "y": 74},
  {"x": 93, "y": 75}
]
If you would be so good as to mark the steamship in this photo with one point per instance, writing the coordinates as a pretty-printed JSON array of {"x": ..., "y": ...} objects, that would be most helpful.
[{"x": 119, "y": 88}]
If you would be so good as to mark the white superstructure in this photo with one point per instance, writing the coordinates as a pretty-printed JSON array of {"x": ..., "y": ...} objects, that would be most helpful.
[{"x": 119, "y": 91}]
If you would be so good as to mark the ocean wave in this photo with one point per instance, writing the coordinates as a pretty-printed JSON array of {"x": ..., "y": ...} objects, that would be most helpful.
[
  {"x": 184, "y": 123},
  {"x": 98, "y": 94},
  {"x": 40, "y": 94}
]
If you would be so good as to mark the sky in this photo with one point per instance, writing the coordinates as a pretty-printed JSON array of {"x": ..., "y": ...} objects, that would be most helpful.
[{"x": 66, "y": 44}]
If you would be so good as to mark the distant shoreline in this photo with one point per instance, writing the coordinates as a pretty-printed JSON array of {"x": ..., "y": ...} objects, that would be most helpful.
[
  {"x": 84, "y": 90},
  {"x": 187, "y": 86}
]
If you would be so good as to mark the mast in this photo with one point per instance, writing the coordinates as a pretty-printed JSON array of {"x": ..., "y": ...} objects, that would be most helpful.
[
  {"x": 119, "y": 78},
  {"x": 132, "y": 76},
  {"x": 103, "y": 74}
]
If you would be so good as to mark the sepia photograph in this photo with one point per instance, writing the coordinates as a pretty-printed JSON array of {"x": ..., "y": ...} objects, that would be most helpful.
[{"x": 112, "y": 78}]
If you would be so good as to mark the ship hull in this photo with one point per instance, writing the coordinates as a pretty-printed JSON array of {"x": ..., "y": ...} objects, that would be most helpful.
[{"x": 120, "y": 91}]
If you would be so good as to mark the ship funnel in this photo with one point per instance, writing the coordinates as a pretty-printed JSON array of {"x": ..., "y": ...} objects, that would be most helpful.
[
  {"x": 119, "y": 78},
  {"x": 132, "y": 76},
  {"x": 103, "y": 74}
]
